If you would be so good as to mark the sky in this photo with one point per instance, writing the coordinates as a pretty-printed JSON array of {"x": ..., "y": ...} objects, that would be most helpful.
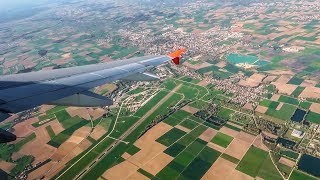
[{"x": 12, "y": 4}]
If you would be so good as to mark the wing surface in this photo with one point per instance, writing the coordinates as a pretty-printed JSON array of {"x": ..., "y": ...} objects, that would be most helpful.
[{"x": 20, "y": 92}]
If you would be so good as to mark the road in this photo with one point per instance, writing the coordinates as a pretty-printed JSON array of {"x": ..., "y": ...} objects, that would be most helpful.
[{"x": 128, "y": 132}]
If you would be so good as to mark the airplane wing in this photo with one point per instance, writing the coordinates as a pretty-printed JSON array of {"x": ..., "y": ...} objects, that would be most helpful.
[{"x": 69, "y": 86}]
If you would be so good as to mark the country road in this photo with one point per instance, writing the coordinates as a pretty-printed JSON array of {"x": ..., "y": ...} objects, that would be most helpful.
[{"x": 128, "y": 132}]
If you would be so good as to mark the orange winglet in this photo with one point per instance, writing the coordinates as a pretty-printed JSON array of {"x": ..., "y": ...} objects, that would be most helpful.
[{"x": 176, "y": 55}]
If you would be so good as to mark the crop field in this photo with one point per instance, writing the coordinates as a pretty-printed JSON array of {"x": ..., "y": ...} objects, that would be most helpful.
[
  {"x": 297, "y": 91},
  {"x": 269, "y": 103},
  {"x": 313, "y": 117},
  {"x": 295, "y": 81},
  {"x": 298, "y": 175},
  {"x": 171, "y": 136},
  {"x": 284, "y": 113},
  {"x": 225, "y": 113},
  {"x": 252, "y": 161},
  {"x": 222, "y": 140},
  {"x": 288, "y": 100},
  {"x": 189, "y": 124}
]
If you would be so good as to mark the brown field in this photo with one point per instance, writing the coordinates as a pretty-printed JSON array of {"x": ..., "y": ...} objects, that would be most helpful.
[
  {"x": 61, "y": 61},
  {"x": 248, "y": 106},
  {"x": 137, "y": 176},
  {"x": 315, "y": 107},
  {"x": 45, "y": 108},
  {"x": 275, "y": 97},
  {"x": 281, "y": 72},
  {"x": 310, "y": 92},
  {"x": 287, "y": 162},
  {"x": 252, "y": 81},
  {"x": 67, "y": 55},
  {"x": 258, "y": 143},
  {"x": 204, "y": 82},
  {"x": 98, "y": 132},
  {"x": 153, "y": 134},
  {"x": 269, "y": 78},
  {"x": 216, "y": 147},
  {"x": 308, "y": 83},
  {"x": 240, "y": 175},
  {"x": 229, "y": 132},
  {"x": 120, "y": 171},
  {"x": 284, "y": 79},
  {"x": 126, "y": 155},
  {"x": 261, "y": 109},
  {"x": 236, "y": 125},
  {"x": 279, "y": 106},
  {"x": 32, "y": 148},
  {"x": 81, "y": 112},
  {"x": 40, "y": 172},
  {"x": 183, "y": 128},
  {"x": 25, "y": 128},
  {"x": 246, "y": 137},
  {"x": 158, "y": 163},
  {"x": 110, "y": 87},
  {"x": 56, "y": 126},
  {"x": 221, "y": 169},
  {"x": 221, "y": 64},
  {"x": 237, "y": 148},
  {"x": 208, "y": 134},
  {"x": 96, "y": 112},
  {"x": 150, "y": 156},
  {"x": 149, "y": 151},
  {"x": 190, "y": 109},
  {"x": 6, "y": 166},
  {"x": 71, "y": 143},
  {"x": 285, "y": 88}
]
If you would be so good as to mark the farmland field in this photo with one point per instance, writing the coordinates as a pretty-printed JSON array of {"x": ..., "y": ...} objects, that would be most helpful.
[
  {"x": 222, "y": 139},
  {"x": 252, "y": 161}
]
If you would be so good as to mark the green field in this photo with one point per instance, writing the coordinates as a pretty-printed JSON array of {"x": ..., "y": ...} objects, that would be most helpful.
[
  {"x": 289, "y": 100},
  {"x": 268, "y": 103},
  {"x": 208, "y": 69},
  {"x": 298, "y": 175},
  {"x": 313, "y": 117},
  {"x": 305, "y": 105},
  {"x": 284, "y": 113},
  {"x": 172, "y": 121},
  {"x": 24, "y": 141},
  {"x": 171, "y": 136},
  {"x": 133, "y": 150},
  {"x": 222, "y": 140},
  {"x": 236, "y": 58},
  {"x": 50, "y": 131},
  {"x": 225, "y": 113},
  {"x": 297, "y": 91},
  {"x": 21, "y": 164},
  {"x": 189, "y": 124},
  {"x": 136, "y": 91},
  {"x": 62, "y": 115},
  {"x": 289, "y": 154},
  {"x": 151, "y": 103},
  {"x": 252, "y": 161},
  {"x": 295, "y": 81},
  {"x": 201, "y": 164},
  {"x": 232, "y": 127},
  {"x": 230, "y": 158}
]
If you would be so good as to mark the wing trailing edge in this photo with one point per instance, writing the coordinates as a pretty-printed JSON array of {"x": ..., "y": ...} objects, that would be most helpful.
[
  {"x": 146, "y": 76},
  {"x": 84, "y": 99}
]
